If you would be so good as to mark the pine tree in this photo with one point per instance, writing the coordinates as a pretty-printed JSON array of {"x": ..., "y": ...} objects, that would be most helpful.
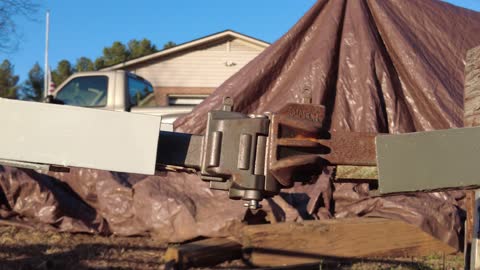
[
  {"x": 169, "y": 45},
  {"x": 140, "y": 48},
  {"x": 62, "y": 72},
  {"x": 33, "y": 87},
  {"x": 115, "y": 54},
  {"x": 84, "y": 64},
  {"x": 8, "y": 81}
]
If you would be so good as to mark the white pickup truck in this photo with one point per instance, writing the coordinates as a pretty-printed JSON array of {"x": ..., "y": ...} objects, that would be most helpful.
[{"x": 116, "y": 91}]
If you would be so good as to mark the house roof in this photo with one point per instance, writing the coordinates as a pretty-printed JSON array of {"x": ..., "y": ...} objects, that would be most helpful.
[{"x": 189, "y": 45}]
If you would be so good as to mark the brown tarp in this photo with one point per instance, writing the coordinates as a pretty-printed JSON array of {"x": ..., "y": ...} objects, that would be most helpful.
[{"x": 377, "y": 65}]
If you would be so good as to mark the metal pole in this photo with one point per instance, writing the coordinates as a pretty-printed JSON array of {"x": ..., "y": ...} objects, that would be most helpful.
[{"x": 46, "y": 70}]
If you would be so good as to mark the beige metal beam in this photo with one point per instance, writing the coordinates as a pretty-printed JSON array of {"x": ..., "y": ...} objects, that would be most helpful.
[{"x": 428, "y": 160}]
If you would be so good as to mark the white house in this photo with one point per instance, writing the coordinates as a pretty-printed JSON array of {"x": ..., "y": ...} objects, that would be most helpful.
[{"x": 187, "y": 73}]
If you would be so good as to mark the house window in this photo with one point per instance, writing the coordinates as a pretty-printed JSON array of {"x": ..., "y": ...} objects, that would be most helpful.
[{"x": 185, "y": 100}]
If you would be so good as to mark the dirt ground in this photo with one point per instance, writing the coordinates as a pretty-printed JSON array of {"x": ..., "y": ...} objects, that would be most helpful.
[
  {"x": 22, "y": 248},
  {"x": 29, "y": 249}
]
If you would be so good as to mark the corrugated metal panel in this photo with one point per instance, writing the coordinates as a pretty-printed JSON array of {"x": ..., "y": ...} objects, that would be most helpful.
[{"x": 205, "y": 67}]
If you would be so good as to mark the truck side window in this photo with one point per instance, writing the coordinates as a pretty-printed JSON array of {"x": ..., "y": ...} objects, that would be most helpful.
[
  {"x": 139, "y": 92},
  {"x": 88, "y": 91}
]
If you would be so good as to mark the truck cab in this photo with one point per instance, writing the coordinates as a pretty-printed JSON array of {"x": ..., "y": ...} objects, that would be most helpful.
[{"x": 116, "y": 91}]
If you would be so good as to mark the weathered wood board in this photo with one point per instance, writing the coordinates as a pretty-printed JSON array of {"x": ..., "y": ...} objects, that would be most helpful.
[
  {"x": 206, "y": 252},
  {"x": 472, "y": 88},
  {"x": 79, "y": 137},
  {"x": 472, "y": 118},
  {"x": 475, "y": 243},
  {"x": 311, "y": 241},
  {"x": 356, "y": 172}
]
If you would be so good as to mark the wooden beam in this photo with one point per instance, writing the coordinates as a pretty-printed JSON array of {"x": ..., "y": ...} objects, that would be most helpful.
[
  {"x": 471, "y": 118},
  {"x": 356, "y": 173},
  {"x": 314, "y": 241},
  {"x": 469, "y": 226},
  {"x": 472, "y": 88},
  {"x": 207, "y": 252},
  {"x": 475, "y": 249}
]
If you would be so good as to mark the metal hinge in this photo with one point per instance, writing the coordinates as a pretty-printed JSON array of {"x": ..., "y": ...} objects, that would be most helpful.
[{"x": 234, "y": 153}]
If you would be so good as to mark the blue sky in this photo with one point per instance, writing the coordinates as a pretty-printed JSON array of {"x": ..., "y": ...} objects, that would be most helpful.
[{"x": 83, "y": 28}]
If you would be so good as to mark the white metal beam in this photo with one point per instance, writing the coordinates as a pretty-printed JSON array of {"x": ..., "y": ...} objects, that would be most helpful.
[{"x": 79, "y": 137}]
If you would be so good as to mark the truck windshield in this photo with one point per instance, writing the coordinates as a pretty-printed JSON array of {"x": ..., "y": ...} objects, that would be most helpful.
[
  {"x": 140, "y": 92},
  {"x": 88, "y": 91}
]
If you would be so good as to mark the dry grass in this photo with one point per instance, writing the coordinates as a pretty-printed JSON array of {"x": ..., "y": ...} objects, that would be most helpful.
[
  {"x": 28, "y": 249},
  {"x": 22, "y": 248}
]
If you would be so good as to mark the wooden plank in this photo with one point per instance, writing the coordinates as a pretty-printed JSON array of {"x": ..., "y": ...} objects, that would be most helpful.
[
  {"x": 469, "y": 226},
  {"x": 356, "y": 173},
  {"x": 475, "y": 250},
  {"x": 475, "y": 247},
  {"x": 80, "y": 137},
  {"x": 471, "y": 118},
  {"x": 311, "y": 241},
  {"x": 472, "y": 88},
  {"x": 207, "y": 252}
]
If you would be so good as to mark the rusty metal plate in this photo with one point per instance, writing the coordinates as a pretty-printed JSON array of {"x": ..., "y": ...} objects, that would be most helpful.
[{"x": 350, "y": 148}]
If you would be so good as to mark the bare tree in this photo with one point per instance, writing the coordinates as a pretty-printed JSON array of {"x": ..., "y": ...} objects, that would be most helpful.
[{"x": 9, "y": 10}]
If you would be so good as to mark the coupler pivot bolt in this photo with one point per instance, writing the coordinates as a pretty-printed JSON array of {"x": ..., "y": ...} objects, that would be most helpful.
[{"x": 253, "y": 204}]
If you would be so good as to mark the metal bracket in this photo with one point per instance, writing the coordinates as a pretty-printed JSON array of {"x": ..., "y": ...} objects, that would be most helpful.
[
  {"x": 233, "y": 155},
  {"x": 254, "y": 156}
]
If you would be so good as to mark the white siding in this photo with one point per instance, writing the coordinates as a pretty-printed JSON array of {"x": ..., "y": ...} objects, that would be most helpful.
[
  {"x": 240, "y": 45},
  {"x": 219, "y": 47},
  {"x": 205, "y": 67}
]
